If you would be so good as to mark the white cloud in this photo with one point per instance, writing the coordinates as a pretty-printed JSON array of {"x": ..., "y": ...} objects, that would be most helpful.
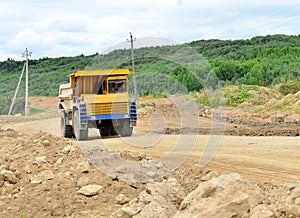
[
  {"x": 63, "y": 28},
  {"x": 27, "y": 37}
]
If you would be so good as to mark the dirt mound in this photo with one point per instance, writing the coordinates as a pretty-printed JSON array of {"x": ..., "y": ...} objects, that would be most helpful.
[
  {"x": 249, "y": 114},
  {"x": 247, "y": 119},
  {"x": 44, "y": 176},
  {"x": 165, "y": 106},
  {"x": 239, "y": 130},
  {"x": 290, "y": 102},
  {"x": 129, "y": 166},
  {"x": 256, "y": 95}
]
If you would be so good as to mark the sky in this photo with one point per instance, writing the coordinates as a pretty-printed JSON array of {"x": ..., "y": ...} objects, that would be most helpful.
[{"x": 55, "y": 28}]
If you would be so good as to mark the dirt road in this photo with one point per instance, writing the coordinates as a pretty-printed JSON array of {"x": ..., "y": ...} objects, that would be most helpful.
[{"x": 261, "y": 159}]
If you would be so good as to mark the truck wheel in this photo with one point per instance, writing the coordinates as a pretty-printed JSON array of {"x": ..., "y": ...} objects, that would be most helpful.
[
  {"x": 66, "y": 130},
  {"x": 104, "y": 131},
  {"x": 126, "y": 128},
  {"x": 80, "y": 134}
]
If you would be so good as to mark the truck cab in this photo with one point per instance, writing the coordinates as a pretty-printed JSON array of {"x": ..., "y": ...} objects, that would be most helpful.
[{"x": 97, "y": 99}]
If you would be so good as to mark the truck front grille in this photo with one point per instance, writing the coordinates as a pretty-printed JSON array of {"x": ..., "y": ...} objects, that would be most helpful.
[{"x": 107, "y": 108}]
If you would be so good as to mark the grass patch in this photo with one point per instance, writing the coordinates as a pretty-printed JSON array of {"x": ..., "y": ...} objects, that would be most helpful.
[
  {"x": 233, "y": 96},
  {"x": 214, "y": 99},
  {"x": 260, "y": 110},
  {"x": 290, "y": 87},
  {"x": 156, "y": 95},
  {"x": 143, "y": 105},
  {"x": 203, "y": 99},
  {"x": 236, "y": 95},
  {"x": 36, "y": 111}
]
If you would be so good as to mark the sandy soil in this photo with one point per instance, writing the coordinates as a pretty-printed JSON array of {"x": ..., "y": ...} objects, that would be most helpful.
[
  {"x": 274, "y": 159},
  {"x": 42, "y": 174}
]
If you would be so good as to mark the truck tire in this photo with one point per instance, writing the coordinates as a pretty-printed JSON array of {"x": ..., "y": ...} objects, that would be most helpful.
[
  {"x": 126, "y": 129},
  {"x": 66, "y": 130},
  {"x": 80, "y": 134},
  {"x": 104, "y": 132}
]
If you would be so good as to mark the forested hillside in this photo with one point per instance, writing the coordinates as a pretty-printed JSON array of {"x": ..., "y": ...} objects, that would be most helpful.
[{"x": 264, "y": 61}]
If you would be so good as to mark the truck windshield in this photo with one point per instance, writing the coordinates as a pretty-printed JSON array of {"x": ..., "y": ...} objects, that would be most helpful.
[{"x": 117, "y": 86}]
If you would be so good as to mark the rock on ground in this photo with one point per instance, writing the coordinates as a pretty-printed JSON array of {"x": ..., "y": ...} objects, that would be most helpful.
[
  {"x": 42, "y": 176},
  {"x": 9, "y": 176},
  {"x": 160, "y": 199},
  {"x": 83, "y": 167},
  {"x": 224, "y": 196},
  {"x": 89, "y": 190}
]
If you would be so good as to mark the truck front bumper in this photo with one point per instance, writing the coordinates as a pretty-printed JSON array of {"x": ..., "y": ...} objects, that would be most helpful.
[{"x": 108, "y": 117}]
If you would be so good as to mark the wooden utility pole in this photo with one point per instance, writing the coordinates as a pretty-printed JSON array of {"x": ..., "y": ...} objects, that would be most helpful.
[
  {"x": 26, "y": 54},
  {"x": 131, "y": 40},
  {"x": 16, "y": 92}
]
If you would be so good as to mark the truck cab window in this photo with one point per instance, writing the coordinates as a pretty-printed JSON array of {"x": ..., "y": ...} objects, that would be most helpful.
[{"x": 117, "y": 86}]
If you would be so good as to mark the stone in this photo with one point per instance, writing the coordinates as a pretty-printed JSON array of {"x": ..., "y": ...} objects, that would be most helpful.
[
  {"x": 295, "y": 193},
  {"x": 261, "y": 211},
  {"x": 83, "y": 167},
  {"x": 122, "y": 199},
  {"x": 28, "y": 168},
  {"x": 4, "y": 198},
  {"x": 68, "y": 174},
  {"x": 39, "y": 178},
  {"x": 18, "y": 174},
  {"x": 82, "y": 181},
  {"x": 13, "y": 167},
  {"x": 67, "y": 149},
  {"x": 58, "y": 162},
  {"x": 47, "y": 166},
  {"x": 9, "y": 176},
  {"x": 279, "y": 119},
  {"x": 151, "y": 174},
  {"x": 159, "y": 165},
  {"x": 6, "y": 157},
  {"x": 209, "y": 176},
  {"x": 46, "y": 142},
  {"x": 15, "y": 191},
  {"x": 89, "y": 190},
  {"x": 292, "y": 210},
  {"x": 41, "y": 160},
  {"x": 297, "y": 201},
  {"x": 3, "y": 167},
  {"x": 1, "y": 180},
  {"x": 16, "y": 196},
  {"x": 131, "y": 211},
  {"x": 7, "y": 188},
  {"x": 159, "y": 199}
]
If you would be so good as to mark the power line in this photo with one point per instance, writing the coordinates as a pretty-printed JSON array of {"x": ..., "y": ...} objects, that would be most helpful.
[{"x": 284, "y": 16}]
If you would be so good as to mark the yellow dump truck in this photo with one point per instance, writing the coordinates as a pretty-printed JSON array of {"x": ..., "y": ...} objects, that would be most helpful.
[{"x": 97, "y": 99}]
